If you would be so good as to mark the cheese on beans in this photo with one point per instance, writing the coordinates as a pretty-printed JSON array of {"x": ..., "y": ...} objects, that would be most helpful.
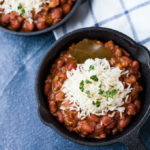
[{"x": 94, "y": 88}]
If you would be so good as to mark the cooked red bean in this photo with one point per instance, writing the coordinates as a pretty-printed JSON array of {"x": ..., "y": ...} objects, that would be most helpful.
[
  {"x": 60, "y": 116},
  {"x": 135, "y": 64},
  {"x": 119, "y": 65},
  {"x": 62, "y": 75},
  {"x": 138, "y": 75},
  {"x": 106, "y": 120},
  {"x": 71, "y": 66},
  {"x": 71, "y": 1},
  {"x": 53, "y": 106},
  {"x": 111, "y": 125},
  {"x": 98, "y": 129},
  {"x": 137, "y": 103},
  {"x": 70, "y": 129},
  {"x": 1, "y": 9},
  {"x": 20, "y": 19},
  {"x": 57, "y": 15},
  {"x": 57, "y": 85},
  {"x": 86, "y": 128},
  {"x": 59, "y": 96},
  {"x": 129, "y": 100},
  {"x": 131, "y": 109},
  {"x": 41, "y": 25},
  {"x": 15, "y": 25},
  {"x": 49, "y": 20},
  {"x": 47, "y": 88},
  {"x": 66, "y": 8},
  {"x": 113, "y": 61},
  {"x": 93, "y": 118},
  {"x": 136, "y": 89},
  {"x": 63, "y": 1},
  {"x": 140, "y": 88},
  {"x": 5, "y": 19},
  {"x": 68, "y": 121},
  {"x": 125, "y": 61},
  {"x": 118, "y": 52},
  {"x": 131, "y": 79},
  {"x": 123, "y": 122},
  {"x": 13, "y": 16},
  {"x": 28, "y": 27},
  {"x": 125, "y": 53},
  {"x": 60, "y": 63},
  {"x": 115, "y": 130},
  {"x": 94, "y": 126},
  {"x": 51, "y": 96},
  {"x": 110, "y": 45},
  {"x": 102, "y": 136},
  {"x": 54, "y": 3}
]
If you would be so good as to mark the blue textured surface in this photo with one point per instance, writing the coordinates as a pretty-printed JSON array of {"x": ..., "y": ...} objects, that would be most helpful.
[{"x": 20, "y": 126}]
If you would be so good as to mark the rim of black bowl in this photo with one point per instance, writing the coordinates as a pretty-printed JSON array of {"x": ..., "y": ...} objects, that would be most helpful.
[
  {"x": 74, "y": 8},
  {"x": 119, "y": 138}
]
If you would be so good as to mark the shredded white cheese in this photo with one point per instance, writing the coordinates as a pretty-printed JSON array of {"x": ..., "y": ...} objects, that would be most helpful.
[
  {"x": 25, "y": 5},
  {"x": 108, "y": 78}
]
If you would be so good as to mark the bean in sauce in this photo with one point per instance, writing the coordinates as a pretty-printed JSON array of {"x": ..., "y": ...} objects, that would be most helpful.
[{"x": 50, "y": 15}]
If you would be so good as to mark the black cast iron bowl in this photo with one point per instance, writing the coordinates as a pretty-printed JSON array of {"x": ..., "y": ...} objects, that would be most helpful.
[
  {"x": 65, "y": 19},
  {"x": 130, "y": 135}
]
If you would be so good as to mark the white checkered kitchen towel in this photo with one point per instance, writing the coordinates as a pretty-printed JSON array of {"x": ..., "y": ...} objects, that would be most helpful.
[{"x": 132, "y": 17}]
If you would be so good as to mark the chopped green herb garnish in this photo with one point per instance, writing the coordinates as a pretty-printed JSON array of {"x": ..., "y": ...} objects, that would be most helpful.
[
  {"x": 94, "y": 78},
  {"x": 88, "y": 94},
  {"x": 100, "y": 86},
  {"x": 108, "y": 93},
  {"x": 101, "y": 91},
  {"x": 23, "y": 12},
  {"x": 21, "y": 9},
  {"x": 88, "y": 81},
  {"x": 114, "y": 92},
  {"x": 97, "y": 103},
  {"x": 91, "y": 68},
  {"x": 20, "y": 6},
  {"x": 81, "y": 86},
  {"x": 111, "y": 94}
]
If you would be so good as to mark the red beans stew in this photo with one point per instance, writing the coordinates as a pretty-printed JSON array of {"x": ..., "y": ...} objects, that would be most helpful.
[
  {"x": 91, "y": 126},
  {"x": 50, "y": 15}
]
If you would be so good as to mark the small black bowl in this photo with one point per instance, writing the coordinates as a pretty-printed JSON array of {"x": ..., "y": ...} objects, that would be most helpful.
[
  {"x": 129, "y": 136},
  {"x": 76, "y": 5}
]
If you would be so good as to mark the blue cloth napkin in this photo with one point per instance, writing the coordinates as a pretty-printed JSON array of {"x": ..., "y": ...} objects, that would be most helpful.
[{"x": 20, "y": 126}]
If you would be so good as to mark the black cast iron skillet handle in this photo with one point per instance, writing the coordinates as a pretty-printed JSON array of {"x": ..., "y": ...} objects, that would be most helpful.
[{"x": 133, "y": 142}]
